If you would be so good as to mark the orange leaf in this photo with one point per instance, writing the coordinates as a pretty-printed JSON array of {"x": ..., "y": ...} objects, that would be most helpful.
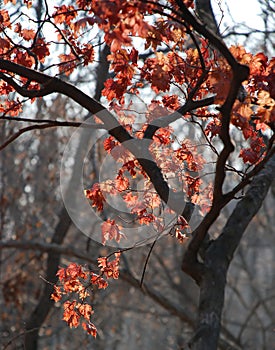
[
  {"x": 57, "y": 294},
  {"x": 122, "y": 183},
  {"x": 96, "y": 196},
  {"x": 89, "y": 328},
  {"x": 99, "y": 281},
  {"x": 85, "y": 310},
  {"x": 110, "y": 230},
  {"x": 70, "y": 315},
  {"x": 28, "y": 34}
]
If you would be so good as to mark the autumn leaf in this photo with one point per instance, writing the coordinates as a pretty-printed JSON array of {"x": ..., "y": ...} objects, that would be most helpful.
[
  {"x": 88, "y": 54},
  {"x": 144, "y": 217},
  {"x": 4, "y": 45},
  {"x": 213, "y": 128},
  {"x": 23, "y": 58},
  {"x": 109, "y": 144},
  {"x": 76, "y": 279},
  {"x": 57, "y": 294},
  {"x": 110, "y": 230},
  {"x": 89, "y": 328},
  {"x": 171, "y": 102},
  {"x": 68, "y": 63},
  {"x": 131, "y": 167},
  {"x": 74, "y": 270},
  {"x": 122, "y": 183},
  {"x": 28, "y": 34},
  {"x": 130, "y": 199},
  {"x": 4, "y": 19},
  {"x": 64, "y": 14},
  {"x": 248, "y": 155},
  {"x": 110, "y": 268},
  {"x": 100, "y": 282},
  {"x": 83, "y": 22},
  {"x": 41, "y": 49},
  {"x": 162, "y": 136},
  {"x": 96, "y": 196},
  {"x": 158, "y": 72},
  {"x": 70, "y": 315},
  {"x": 85, "y": 310},
  {"x": 115, "y": 88}
]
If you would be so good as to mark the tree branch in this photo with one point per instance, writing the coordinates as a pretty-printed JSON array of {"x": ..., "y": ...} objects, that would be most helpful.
[
  {"x": 45, "y": 125},
  {"x": 139, "y": 148},
  {"x": 205, "y": 12},
  {"x": 22, "y": 131},
  {"x": 164, "y": 121},
  {"x": 214, "y": 38}
]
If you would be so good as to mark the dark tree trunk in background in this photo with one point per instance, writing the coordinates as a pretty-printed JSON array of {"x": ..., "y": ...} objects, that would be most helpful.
[{"x": 45, "y": 303}]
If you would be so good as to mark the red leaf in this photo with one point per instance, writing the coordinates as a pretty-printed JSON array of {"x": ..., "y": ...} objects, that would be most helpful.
[
  {"x": 133, "y": 55},
  {"x": 122, "y": 183},
  {"x": 4, "y": 45},
  {"x": 110, "y": 230},
  {"x": 5, "y": 19},
  {"x": 41, "y": 49},
  {"x": 248, "y": 155},
  {"x": 68, "y": 63},
  {"x": 57, "y": 294},
  {"x": 70, "y": 315},
  {"x": 110, "y": 268},
  {"x": 83, "y": 22},
  {"x": 130, "y": 199},
  {"x": 28, "y": 34},
  {"x": 85, "y": 310},
  {"x": 109, "y": 144},
  {"x": 96, "y": 196},
  {"x": 115, "y": 88},
  {"x": 64, "y": 14},
  {"x": 90, "y": 328},
  {"x": 213, "y": 128},
  {"x": 99, "y": 281}
]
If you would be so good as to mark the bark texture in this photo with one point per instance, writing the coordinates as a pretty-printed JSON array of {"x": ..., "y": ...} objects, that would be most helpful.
[{"x": 218, "y": 256}]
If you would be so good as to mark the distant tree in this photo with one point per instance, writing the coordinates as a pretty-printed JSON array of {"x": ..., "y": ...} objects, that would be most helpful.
[{"x": 194, "y": 78}]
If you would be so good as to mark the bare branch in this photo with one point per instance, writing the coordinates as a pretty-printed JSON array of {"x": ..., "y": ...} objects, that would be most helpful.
[
  {"x": 69, "y": 123},
  {"x": 24, "y": 130}
]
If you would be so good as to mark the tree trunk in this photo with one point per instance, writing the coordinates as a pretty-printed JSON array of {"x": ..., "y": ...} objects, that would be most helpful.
[
  {"x": 45, "y": 303},
  {"x": 212, "y": 287},
  {"x": 217, "y": 258}
]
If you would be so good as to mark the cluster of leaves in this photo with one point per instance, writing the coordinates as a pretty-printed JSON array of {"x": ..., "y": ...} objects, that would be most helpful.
[
  {"x": 77, "y": 280},
  {"x": 256, "y": 112},
  {"x": 179, "y": 161},
  {"x": 25, "y": 48}
]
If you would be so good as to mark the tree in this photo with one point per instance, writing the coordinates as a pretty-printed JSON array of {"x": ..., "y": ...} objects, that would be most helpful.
[{"x": 227, "y": 92}]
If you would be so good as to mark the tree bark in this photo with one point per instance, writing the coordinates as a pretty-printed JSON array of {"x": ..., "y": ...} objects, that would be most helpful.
[
  {"x": 218, "y": 256},
  {"x": 42, "y": 309},
  {"x": 212, "y": 287}
]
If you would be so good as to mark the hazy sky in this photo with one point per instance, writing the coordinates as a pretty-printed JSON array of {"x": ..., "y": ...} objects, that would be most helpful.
[{"x": 245, "y": 11}]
